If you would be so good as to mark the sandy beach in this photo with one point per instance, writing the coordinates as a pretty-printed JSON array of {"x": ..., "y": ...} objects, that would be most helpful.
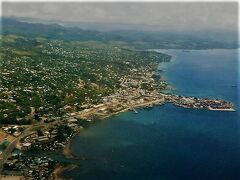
[
  {"x": 11, "y": 177},
  {"x": 67, "y": 151},
  {"x": 57, "y": 173}
]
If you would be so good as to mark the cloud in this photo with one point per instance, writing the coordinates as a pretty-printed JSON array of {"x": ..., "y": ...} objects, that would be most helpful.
[{"x": 172, "y": 15}]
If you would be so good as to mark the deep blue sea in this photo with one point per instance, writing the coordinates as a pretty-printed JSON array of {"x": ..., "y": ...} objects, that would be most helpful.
[{"x": 168, "y": 142}]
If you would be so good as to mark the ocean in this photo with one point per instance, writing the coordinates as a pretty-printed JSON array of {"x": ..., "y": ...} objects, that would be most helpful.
[{"x": 169, "y": 142}]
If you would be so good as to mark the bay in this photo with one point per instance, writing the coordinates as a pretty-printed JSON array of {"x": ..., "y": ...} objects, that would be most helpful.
[{"x": 169, "y": 142}]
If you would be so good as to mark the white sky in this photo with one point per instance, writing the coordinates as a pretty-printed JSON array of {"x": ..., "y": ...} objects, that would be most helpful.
[{"x": 170, "y": 15}]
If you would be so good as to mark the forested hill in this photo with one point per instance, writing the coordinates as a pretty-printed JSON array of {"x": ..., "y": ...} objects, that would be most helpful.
[
  {"x": 52, "y": 31},
  {"x": 139, "y": 39}
]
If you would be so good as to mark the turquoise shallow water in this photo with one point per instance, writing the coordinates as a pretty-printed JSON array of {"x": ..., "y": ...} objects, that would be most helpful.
[{"x": 169, "y": 142}]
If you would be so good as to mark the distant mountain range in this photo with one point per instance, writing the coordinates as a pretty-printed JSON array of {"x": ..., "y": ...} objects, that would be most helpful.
[{"x": 141, "y": 39}]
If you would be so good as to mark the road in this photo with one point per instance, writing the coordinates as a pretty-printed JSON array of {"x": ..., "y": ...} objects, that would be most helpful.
[{"x": 7, "y": 152}]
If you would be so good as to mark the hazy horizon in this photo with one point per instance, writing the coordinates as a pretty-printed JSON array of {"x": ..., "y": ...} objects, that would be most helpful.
[{"x": 177, "y": 16}]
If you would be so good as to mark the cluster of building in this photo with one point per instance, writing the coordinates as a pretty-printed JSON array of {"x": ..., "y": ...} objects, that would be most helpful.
[
  {"x": 200, "y": 103},
  {"x": 138, "y": 89},
  {"x": 47, "y": 137},
  {"x": 40, "y": 138},
  {"x": 62, "y": 74},
  {"x": 30, "y": 167},
  {"x": 14, "y": 130},
  {"x": 129, "y": 96},
  {"x": 51, "y": 137}
]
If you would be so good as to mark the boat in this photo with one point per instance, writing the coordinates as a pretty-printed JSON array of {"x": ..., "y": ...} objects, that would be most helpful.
[
  {"x": 149, "y": 106},
  {"x": 135, "y": 111}
]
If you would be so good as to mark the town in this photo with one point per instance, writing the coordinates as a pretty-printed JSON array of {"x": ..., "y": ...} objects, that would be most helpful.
[
  {"x": 53, "y": 134},
  {"x": 50, "y": 94}
]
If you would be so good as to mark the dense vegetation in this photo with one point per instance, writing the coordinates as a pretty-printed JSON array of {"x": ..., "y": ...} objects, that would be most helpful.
[
  {"x": 50, "y": 77},
  {"x": 48, "y": 70}
]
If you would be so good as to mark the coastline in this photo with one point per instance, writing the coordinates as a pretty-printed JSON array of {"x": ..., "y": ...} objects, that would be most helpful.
[
  {"x": 8, "y": 177},
  {"x": 118, "y": 105},
  {"x": 150, "y": 103},
  {"x": 160, "y": 101},
  {"x": 67, "y": 151},
  {"x": 57, "y": 173}
]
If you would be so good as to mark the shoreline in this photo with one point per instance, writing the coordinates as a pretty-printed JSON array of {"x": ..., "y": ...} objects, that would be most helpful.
[
  {"x": 9, "y": 177},
  {"x": 116, "y": 104},
  {"x": 57, "y": 173},
  {"x": 67, "y": 150},
  {"x": 150, "y": 103}
]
